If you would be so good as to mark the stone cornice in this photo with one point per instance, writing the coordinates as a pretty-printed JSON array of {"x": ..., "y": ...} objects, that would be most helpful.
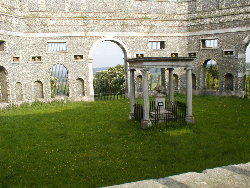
[{"x": 126, "y": 34}]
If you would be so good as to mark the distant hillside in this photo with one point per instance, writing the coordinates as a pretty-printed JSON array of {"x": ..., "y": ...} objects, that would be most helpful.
[{"x": 99, "y": 69}]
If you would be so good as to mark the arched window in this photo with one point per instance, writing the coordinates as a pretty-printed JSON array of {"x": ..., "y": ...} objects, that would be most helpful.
[
  {"x": 38, "y": 90},
  {"x": 176, "y": 81},
  {"x": 59, "y": 81},
  {"x": 229, "y": 82},
  {"x": 211, "y": 74},
  {"x": 3, "y": 85},
  {"x": 19, "y": 92},
  {"x": 80, "y": 88},
  {"x": 193, "y": 81}
]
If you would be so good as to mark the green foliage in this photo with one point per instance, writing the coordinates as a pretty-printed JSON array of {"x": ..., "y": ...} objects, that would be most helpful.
[
  {"x": 110, "y": 81},
  {"x": 247, "y": 85},
  {"x": 53, "y": 86},
  {"x": 94, "y": 144},
  {"x": 212, "y": 77}
]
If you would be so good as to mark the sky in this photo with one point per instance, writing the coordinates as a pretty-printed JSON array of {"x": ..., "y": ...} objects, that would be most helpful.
[
  {"x": 109, "y": 54},
  {"x": 248, "y": 54}
]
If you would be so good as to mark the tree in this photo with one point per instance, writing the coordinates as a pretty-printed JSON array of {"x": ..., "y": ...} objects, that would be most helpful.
[
  {"x": 212, "y": 75},
  {"x": 110, "y": 81}
]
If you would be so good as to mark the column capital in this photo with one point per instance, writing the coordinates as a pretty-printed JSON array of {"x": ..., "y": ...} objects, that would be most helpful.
[
  {"x": 189, "y": 68},
  {"x": 145, "y": 70},
  {"x": 131, "y": 70},
  {"x": 170, "y": 68}
]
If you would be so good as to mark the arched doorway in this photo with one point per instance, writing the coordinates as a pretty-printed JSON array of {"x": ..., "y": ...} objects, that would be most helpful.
[
  {"x": 59, "y": 81},
  {"x": 3, "y": 85},
  {"x": 106, "y": 55},
  {"x": 211, "y": 74}
]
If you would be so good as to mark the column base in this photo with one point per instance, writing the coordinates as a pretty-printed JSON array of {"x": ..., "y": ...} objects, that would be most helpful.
[
  {"x": 146, "y": 124},
  {"x": 190, "y": 119},
  {"x": 131, "y": 116}
]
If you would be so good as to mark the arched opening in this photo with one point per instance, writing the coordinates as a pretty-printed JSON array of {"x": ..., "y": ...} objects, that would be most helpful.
[
  {"x": 155, "y": 78},
  {"x": 110, "y": 56},
  {"x": 194, "y": 81},
  {"x": 211, "y": 74},
  {"x": 248, "y": 60},
  {"x": 176, "y": 82},
  {"x": 247, "y": 75},
  {"x": 139, "y": 83},
  {"x": 80, "y": 87},
  {"x": 3, "y": 85},
  {"x": 59, "y": 81},
  {"x": 229, "y": 82},
  {"x": 19, "y": 91},
  {"x": 38, "y": 90}
]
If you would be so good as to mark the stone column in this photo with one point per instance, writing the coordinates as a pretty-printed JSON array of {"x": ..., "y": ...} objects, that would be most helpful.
[
  {"x": 146, "y": 121},
  {"x": 163, "y": 78},
  {"x": 189, "y": 114},
  {"x": 132, "y": 93},
  {"x": 171, "y": 86}
]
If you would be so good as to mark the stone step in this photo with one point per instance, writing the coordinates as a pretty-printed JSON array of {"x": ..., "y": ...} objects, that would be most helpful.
[{"x": 233, "y": 176}]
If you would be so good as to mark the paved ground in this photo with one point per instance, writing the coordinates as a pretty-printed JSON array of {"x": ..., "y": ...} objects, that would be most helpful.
[{"x": 233, "y": 176}]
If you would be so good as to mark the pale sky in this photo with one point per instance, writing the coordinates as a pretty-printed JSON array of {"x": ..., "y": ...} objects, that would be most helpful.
[
  {"x": 248, "y": 54},
  {"x": 109, "y": 54}
]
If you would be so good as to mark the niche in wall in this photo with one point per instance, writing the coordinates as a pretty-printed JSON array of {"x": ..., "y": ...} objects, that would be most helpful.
[
  {"x": 78, "y": 57},
  {"x": 16, "y": 59},
  {"x": 37, "y": 58}
]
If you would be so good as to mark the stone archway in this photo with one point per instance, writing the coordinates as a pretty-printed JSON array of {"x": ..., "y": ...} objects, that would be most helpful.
[
  {"x": 59, "y": 81},
  {"x": 124, "y": 50},
  {"x": 246, "y": 82},
  {"x": 3, "y": 85},
  {"x": 247, "y": 61},
  {"x": 211, "y": 75}
]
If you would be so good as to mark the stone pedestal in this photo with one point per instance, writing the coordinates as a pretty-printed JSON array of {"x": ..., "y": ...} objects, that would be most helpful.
[{"x": 160, "y": 99}]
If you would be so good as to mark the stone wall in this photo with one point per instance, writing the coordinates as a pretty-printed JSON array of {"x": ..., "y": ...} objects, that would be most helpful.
[{"x": 27, "y": 26}]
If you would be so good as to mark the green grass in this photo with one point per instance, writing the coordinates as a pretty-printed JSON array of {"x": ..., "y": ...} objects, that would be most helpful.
[{"x": 93, "y": 144}]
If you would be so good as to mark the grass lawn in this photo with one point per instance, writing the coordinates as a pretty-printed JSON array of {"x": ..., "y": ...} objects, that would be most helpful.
[{"x": 93, "y": 144}]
